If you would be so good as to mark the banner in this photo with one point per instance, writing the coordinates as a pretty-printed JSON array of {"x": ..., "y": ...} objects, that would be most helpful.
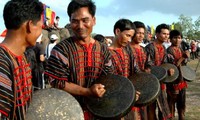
[
  {"x": 48, "y": 13},
  {"x": 152, "y": 30},
  {"x": 53, "y": 15},
  {"x": 172, "y": 27}
]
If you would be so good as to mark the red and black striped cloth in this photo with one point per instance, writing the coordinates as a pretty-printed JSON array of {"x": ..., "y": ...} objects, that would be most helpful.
[
  {"x": 15, "y": 85},
  {"x": 158, "y": 55},
  {"x": 73, "y": 62}
]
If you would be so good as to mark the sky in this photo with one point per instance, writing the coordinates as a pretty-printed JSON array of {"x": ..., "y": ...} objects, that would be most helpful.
[{"x": 150, "y": 12}]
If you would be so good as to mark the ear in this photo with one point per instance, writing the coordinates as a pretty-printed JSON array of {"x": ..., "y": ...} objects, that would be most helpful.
[
  {"x": 94, "y": 20},
  {"x": 29, "y": 26},
  {"x": 157, "y": 34},
  {"x": 117, "y": 31}
]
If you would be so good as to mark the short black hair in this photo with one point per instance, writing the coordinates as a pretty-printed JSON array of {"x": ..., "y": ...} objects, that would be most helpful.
[
  {"x": 175, "y": 33},
  {"x": 124, "y": 24},
  {"x": 100, "y": 38},
  {"x": 16, "y": 12},
  {"x": 161, "y": 26},
  {"x": 57, "y": 17},
  {"x": 74, "y": 5},
  {"x": 139, "y": 24}
]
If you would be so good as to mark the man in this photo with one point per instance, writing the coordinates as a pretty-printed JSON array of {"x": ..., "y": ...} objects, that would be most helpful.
[
  {"x": 138, "y": 52},
  {"x": 176, "y": 92},
  {"x": 124, "y": 30},
  {"x": 37, "y": 72},
  {"x": 56, "y": 23},
  {"x": 185, "y": 45},
  {"x": 53, "y": 42},
  {"x": 193, "y": 49},
  {"x": 100, "y": 38},
  {"x": 157, "y": 54},
  {"x": 23, "y": 21},
  {"x": 76, "y": 63}
]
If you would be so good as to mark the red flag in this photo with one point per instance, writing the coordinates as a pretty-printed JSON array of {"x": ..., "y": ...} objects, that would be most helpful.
[
  {"x": 53, "y": 14},
  {"x": 3, "y": 34}
]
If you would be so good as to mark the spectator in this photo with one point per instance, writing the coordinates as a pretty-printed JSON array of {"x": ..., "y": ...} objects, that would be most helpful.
[
  {"x": 53, "y": 42},
  {"x": 37, "y": 72},
  {"x": 56, "y": 23},
  {"x": 100, "y": 38},
  {"x": 193, "y": 50}
]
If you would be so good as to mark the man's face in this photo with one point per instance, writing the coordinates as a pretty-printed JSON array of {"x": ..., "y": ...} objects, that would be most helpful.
[
  {"x": 58, "y": 19},
  {"x": 35, "y": 32},
  {"x": 139, "y": 35},
  {"x": 82, "y": 23},
  {"x": 176, "y": 40},
  {"x": 124, "y": 37},
  {"x": 163, "y": 35}
]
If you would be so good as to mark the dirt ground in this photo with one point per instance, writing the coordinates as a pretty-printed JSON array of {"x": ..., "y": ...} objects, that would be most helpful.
[{"x": 193, "y": 94}]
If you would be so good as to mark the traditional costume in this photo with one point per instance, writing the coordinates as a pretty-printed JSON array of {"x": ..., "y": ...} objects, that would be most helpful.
[
  {"x": 125, "y": 66},
  {"x": 77, "y": 63},
  {"x": 139, "y": 56},
  {"x": 15, "y": 85},
  {"x": 157, "y": 54},
  {"x": 176, "y": 91},
  {"x": 121, "y": 61}
]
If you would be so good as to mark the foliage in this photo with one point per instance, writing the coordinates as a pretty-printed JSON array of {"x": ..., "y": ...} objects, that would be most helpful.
[{"x": 189, "y": 29}]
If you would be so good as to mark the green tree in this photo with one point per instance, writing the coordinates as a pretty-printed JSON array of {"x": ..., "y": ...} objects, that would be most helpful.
[
  {"x": 197, "y": 28},
  {"x": 197, "y": 24},
  {"x": 187, "y": 27},
  {"x": 177, "y": 26}
]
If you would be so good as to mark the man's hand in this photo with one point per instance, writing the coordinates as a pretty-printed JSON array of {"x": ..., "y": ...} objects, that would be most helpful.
[
  {"x": 171, "y": 72},
  {"x": 147, "y": 70},
  {"x": 97, "y": 90},
  {"x": 137, "y": 95}
]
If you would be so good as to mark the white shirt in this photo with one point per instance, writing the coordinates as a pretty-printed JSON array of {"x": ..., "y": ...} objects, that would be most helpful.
[
  {"x": 167, "y": 44},
  {"x": 49, "y": 49},
  {"x": 198, "y": 44},
  {"x": 142, "y": 44}
]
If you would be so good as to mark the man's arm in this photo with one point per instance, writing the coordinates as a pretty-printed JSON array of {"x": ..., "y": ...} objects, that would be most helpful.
[
  {"x": 96, "y": 90},
  {"x": 150, "y": 55},
  {"x": 6, "y": 91}
]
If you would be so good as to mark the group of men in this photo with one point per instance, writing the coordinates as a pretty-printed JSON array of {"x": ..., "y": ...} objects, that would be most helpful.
[{"x": 76, "y": 63}]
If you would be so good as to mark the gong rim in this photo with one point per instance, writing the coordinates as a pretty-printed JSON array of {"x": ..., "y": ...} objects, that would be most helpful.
[
  {"x": 170, "y": 79},
  {"x": 188, "y": 73},
  {"x": 53, "y": 104},
  {"x": 149, "y": 87}
]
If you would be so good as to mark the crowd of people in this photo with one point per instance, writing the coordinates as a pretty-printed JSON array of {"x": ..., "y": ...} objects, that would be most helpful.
[{"x": 74, "y": 64}]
